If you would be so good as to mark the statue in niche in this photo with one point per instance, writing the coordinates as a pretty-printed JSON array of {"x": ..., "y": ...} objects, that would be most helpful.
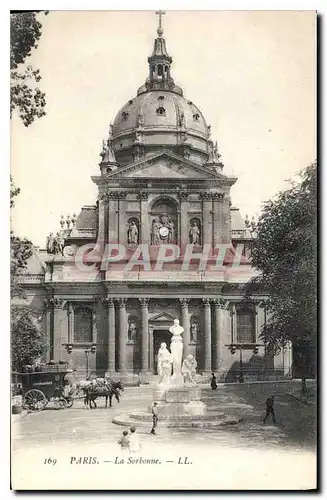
[
  {"x": 165, "y": 361},
  {"x": 194, "y": 331},
  {"x": 194, "y": 234},
  {"x": 170, "y": 226},
  {"x": 132, "y": 233},
  {"x": 132, "y": 332},
  {"x": 189, "y": 370}
]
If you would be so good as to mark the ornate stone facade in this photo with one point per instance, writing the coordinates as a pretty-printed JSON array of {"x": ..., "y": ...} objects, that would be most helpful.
[{"x": 160, "y": 183}]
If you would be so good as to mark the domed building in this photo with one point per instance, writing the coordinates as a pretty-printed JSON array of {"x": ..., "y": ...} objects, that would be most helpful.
[{"x": 162, "y": 242}]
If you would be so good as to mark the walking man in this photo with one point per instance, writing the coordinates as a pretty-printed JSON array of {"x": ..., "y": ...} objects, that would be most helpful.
[
  {"x": 154, "y": 417},
  {"x": 270, "y": 409}
]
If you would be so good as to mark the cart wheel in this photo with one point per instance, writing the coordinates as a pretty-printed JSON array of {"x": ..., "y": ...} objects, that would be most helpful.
[
  {"x": 70, "y": 402},
  {"x": 61, "y": 403},
  {"x": 35, "y": 400}
]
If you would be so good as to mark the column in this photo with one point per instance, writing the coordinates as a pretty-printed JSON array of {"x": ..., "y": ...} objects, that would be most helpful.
[
  {"x": 94, "y": 322},
  {"x": 217, "y": 227},
  {"x": 226, "y": 219},
  {"x": 207, "y": 218},
  {"x": 102, "y": 236},
  {"x": 219, "y": 345},
  {"x": 122, "y": 229},
  {"x": 234, "y": 324},
  {"x": 207, "y": 335},
  {"x": 122, "y": 335},
  {"x": 58, "y": 317},
  {"x": 111, "y": 335},
  {"x": 144, "y": 226},
  {"x": 48, "y": 326},
  {"x": 186, "y": 326},
  {"x": 184, "y": 223},
  {"x": 144, "y": 335},
  {"x": 112, "y": 217},
  {"x": 70, "y": 312}
]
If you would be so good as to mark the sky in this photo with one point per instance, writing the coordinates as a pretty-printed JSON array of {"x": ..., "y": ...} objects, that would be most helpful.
[{"x": 252, "y": 74}]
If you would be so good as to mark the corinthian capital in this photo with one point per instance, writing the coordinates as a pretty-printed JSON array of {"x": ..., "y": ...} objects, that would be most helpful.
[
  {"x": 221, "y": 303},
  {"x": 144, "y": 302},
  {"x": 206, "y": 302},
  {"x": 122, "y": 302},
  {"x": 184, "y": 302}
]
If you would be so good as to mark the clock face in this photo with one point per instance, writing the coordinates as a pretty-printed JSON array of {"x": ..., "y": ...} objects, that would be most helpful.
[{"x": 164, "y": 231}]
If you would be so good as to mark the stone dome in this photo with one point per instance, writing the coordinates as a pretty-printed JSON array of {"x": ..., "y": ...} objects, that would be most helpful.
[{"x": 160, "y": 117}]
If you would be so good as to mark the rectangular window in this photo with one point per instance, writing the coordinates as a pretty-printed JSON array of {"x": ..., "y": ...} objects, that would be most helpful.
[
  {"x": 245, "y": 326},
  {"x": 83, "y": 324}
]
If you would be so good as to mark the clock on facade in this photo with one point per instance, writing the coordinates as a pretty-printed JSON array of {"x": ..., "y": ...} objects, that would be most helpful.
[{"x": 164, "y": 231}]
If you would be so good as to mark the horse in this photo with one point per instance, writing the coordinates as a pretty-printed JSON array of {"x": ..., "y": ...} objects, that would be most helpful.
[{"x": 107, "y": 390}]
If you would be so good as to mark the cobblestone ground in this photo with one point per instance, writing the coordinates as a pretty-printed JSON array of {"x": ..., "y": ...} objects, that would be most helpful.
[{"x": 295, "y": 428}]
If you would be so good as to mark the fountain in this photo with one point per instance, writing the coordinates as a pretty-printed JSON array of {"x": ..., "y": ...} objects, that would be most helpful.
[{"x": 177, "y": 395}]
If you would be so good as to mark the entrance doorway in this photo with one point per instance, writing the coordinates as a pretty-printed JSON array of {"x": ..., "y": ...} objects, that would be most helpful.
[{"x": 159, "y": 336}]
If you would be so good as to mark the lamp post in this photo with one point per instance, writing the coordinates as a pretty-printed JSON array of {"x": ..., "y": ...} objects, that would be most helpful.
[
  {"x": 87, "y": 354},
  {"x": 234, "y": 347}
]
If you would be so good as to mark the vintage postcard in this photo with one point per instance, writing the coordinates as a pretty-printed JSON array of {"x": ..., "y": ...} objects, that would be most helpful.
[{"x": 163, "y": 250}]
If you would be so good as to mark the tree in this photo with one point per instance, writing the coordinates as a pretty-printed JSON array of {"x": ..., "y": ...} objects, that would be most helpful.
[
  {"x": 285, "y": 254},
  {"x": 27, "y": 338},
  {"x": 26, "y": 97}
]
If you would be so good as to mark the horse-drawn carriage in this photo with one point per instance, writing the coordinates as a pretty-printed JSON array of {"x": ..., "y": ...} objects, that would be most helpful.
[{"x": 39, "y": 387}]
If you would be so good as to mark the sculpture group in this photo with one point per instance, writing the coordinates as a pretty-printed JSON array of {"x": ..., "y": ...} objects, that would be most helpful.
[
  {"x": 55, "y": 244},
  {"x": 162, "y": 230},
  {"x": 171, "y": 371}
]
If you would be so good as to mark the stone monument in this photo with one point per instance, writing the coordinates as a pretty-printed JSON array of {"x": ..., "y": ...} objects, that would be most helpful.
[
  {"x": 177, "y": 395},
  {"x": 177, "y": 398}
]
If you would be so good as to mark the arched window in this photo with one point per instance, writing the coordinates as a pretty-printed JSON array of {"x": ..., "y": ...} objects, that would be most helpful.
[
  {"x": 160, "y": 70},
  {"x": 83, "y": 324},
  {"x": 125, "y": 115},
  {"x": 245, "y": 321},
  {"x": 196, "y": 117}
]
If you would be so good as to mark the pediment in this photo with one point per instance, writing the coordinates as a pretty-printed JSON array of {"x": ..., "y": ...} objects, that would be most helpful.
[
  {"x": 165, "y": 165},
  {"x": 163, "y": 317}
]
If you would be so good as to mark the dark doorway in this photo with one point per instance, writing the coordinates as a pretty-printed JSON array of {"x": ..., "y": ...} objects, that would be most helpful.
[{"x": 159, "y": 336}]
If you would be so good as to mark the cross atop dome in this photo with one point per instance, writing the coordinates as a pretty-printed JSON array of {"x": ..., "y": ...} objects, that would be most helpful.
[{"x": 160, "y": 13}]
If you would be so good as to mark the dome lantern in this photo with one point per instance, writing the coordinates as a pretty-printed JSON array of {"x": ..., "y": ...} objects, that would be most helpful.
[{"x": 159, "y": 65}]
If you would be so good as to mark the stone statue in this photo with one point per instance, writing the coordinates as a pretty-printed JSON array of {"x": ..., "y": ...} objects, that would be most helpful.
[
  {"x": 170, "y": 226},
  {"x": 189, "y": 370},
  {"x": 176, "y": 348},
  {"x": 59, "y": 244},
  {"x": 55, "y": 244},
  {"x": 132, "y": 234},
  {"x": 132, "y": 332},
  {"x": 194, "y": 234},
  {"x": 50, "y": 243},
  {"x": 194, "y": 331},
  {"x": 164, "y": 364},
  {"x": 155, "y": 232}
]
